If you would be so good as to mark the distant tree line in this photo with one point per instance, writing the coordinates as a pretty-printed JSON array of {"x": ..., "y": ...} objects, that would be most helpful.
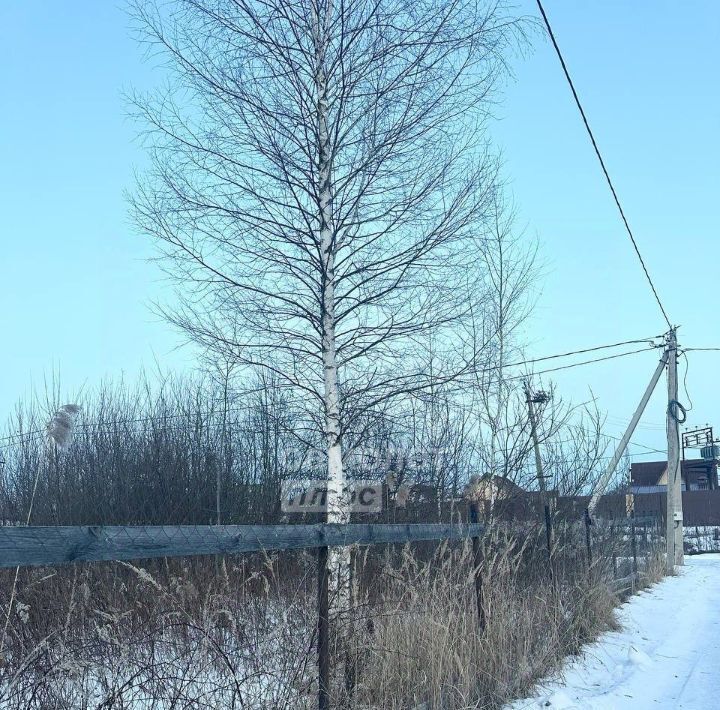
[{"x": 203, "y": 449}]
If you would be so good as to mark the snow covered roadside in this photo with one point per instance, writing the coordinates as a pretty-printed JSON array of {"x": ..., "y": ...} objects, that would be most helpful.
[{"x": 665, "y": 655}]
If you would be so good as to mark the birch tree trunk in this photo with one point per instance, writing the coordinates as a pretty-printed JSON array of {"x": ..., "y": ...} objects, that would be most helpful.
[{"x": 337, "y": 508}]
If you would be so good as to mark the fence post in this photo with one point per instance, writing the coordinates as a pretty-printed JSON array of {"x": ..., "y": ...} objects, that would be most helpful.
[
  {"x": 633, "y": 544},
  {"x": 614, "y": 550},
  {"x": 323, "y": 643},
  {"x": 549, "y": 539},
  {"x": 350, "y": 637},
  {"x": 477, "y": 562},
  {"x": 588, "y": 544}
]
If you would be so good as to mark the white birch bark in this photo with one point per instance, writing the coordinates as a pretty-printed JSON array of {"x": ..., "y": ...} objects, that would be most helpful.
[{"x": 337, "y": 508}]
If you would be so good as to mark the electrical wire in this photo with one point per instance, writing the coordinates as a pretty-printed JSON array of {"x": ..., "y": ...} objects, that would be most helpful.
[
  {"x": 113, "y": 427},
  {"x": 602, "y": 162},
  {"x": 648, "y": 449},
  {"x": 586, "y": 362},
  {"x": 673, "y": 408},
  {"x": 89, "y": 426},
  {"x": 576, "y": 352},
  {"x": 648, "y": 341},
  {"x": 685, "y": 387},
  {"x": 465, "y": 383},
  {"x": 624, "y": 421}
]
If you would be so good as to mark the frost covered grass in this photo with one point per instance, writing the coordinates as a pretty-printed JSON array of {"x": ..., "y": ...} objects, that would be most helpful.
[
  {"x": 201, "y": 634},
  {"x": 239, "y": 632}
]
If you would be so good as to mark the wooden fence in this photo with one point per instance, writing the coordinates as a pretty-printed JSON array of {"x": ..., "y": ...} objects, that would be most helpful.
[{"x": 58, "y": 545}]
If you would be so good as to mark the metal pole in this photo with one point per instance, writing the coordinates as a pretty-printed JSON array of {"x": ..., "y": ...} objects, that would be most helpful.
[
  {"x": 674, "y": 524},
  {"x": 588, "y": 541},
  {"x": 633, "y": 544},
  {"x": 711, "y": 468},
  {"x": 477, "y": 562},
  {"x": 323, "y": 640},
  {"x": 605, "y": 478},
  {"x": 614, "y": 551}
]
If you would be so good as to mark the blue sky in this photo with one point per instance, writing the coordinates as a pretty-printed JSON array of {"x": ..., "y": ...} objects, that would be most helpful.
[
  {"x": 75, "y": 283},
  {"x": 647, "y": 73}
]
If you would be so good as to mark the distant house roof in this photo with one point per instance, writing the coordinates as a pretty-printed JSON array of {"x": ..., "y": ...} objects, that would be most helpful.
[
  {"x": 652, "y": 473},
  {"x": 492, "y": 488}
]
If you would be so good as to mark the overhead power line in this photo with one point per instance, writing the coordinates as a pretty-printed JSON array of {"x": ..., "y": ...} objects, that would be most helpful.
[
  {"x": 602, "y": 162},
  {"x": 532, "y": 361},
  {"x": 587, "y": 362},
  {"x": 649, "y": 449},
  {"x": 113, "y": 425},
  {"x": 623, "y": 422},
  {"x": 585, "y": 350},
  {"x": 652, "y": 346}
]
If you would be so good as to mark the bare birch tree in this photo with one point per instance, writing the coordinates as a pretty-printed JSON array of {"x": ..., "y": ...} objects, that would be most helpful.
[
  {"x": 319, "y": 174},
  {"x": 510, "y": 272},
  {"x": 574, "y": 460}
]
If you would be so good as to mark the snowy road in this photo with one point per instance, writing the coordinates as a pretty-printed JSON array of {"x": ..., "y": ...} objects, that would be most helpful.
[{"x": 665, "y": 656}]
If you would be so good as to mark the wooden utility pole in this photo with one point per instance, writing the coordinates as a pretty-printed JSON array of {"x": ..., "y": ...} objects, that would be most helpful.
[
  {"x": 674, "y": 515},
  {"x": 536, "y": 445},
  {"x": 531, "y": 398}
]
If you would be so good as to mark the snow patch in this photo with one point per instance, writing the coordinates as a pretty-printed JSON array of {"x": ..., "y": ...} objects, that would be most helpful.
[{"x": 662, "y": 658}]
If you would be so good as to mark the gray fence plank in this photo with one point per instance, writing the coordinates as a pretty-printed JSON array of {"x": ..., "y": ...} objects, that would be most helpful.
[
  {"x": 623, "y": 583},
  {"x": 34, "y": 546}
]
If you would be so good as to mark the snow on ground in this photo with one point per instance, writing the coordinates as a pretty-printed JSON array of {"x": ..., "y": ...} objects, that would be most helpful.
[{"x": 665, "y": 656}]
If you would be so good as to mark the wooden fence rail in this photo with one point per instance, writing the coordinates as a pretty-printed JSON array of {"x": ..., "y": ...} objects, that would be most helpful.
[{"x": 58, "y": 545}]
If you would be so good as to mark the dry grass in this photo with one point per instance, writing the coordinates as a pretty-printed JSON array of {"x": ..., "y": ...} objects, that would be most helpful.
[
  {"x": 201, "y": 634},
  {"x": 429, "y": 652},
  {"x": 240, "y": 632}
]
